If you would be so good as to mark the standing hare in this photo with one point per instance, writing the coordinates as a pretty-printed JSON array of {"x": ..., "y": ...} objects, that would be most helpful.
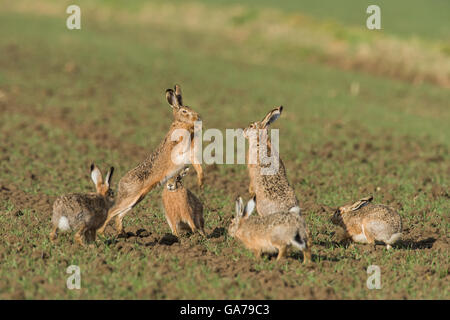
[
  {"x": 272, "y": 233},
  {"x": 272, "y": 190},
  {"x": 84, "y": 212},
  {"x": 182, "y": 208},
  {"x": 159, "y": 166},
  {"x": 365, "y": 222}
]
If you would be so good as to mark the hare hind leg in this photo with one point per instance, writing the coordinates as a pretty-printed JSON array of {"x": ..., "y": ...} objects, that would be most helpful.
[
  {"x": 393, "y": 239},
  {"x": 200, "y": 223},
  {"x": 175, "y": 231},
  {"x": 307, "y": 255},
  {"x": 90, "y": 235},
  {"x": 202, "y": 232},
  {"x": 198, "y": 168},
  {"x": 118, "y": 222},
  {"x": 281, "y": 252},
  {"x": 368, "y": 235},
  {"x": 54, "y": 234},
  {"x": 111, "y": 211},
  {"x": 79, "y": 236},
  {"x": 250, "y": 189},
  {"x": 115, "y": 211},
  {"x": 119, "y": 210}
]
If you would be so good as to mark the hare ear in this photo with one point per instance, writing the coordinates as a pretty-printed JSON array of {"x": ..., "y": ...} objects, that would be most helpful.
[
  {"x": 367, "y": 199},
  {"x": 360, "y": 203},
  {"x": 182, "y": 174},
  {"x": 251, "y": 204},
  {"x": 178, "y": 95},
  {"x": 96, "y": 175},
  {"x": 109, "y": 176},
  {"x": 185, "y": 171},
  {"x": 239, "y": 207},
  {"x": 172, "y": 99},
  {"x": 271, "y": 117}
]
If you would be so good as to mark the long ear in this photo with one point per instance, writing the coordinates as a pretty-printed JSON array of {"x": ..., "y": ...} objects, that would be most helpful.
[
  {"x": 360, "y": 203},
  {"x": 239, "y": 207},
  {"x": 178, "y": 95},
  {"x": 184, "y": 172},
  {"x": 251, "y": 204},
  {"x": 172, "y": 99},
  {"x": 109, "y": 176},
  {"x": 368, "y": 199},
  {"x": 271, "y": 117},
  {"x": 96, "y": 175}
]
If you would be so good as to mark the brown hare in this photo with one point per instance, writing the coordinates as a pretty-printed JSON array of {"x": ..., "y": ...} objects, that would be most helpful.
[
  {"x": 183, "y": 209},
  {"x": 273, "y": 191},
  {"x": 159, "y": 166},
  {"x": 84, "y": 212},
  {"x": 273, "y": 233},
  {"x": 365, "y": 222}
]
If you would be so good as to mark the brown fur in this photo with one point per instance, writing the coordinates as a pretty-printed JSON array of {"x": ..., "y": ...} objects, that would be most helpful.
[
  {"x": 366, "y": 222},
  {"x": 273, "y": 192},
  {"x": 273, "y": 233},
  {"x": 158, "y": 167},
  {"x": 182, "y": 208},
  {"x": 84, "y": 212}
]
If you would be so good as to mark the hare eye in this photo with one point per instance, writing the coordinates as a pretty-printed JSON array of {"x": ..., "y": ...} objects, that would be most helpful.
[{"x": 184, "y": 111}]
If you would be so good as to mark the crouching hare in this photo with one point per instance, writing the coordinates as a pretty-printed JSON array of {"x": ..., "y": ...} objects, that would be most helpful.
[
  {"x": 84, "y": 212},
  {"x": 273, "y": 233},
  {"x": 183, "y": 209},
  {"x": 365, "y": 222}
]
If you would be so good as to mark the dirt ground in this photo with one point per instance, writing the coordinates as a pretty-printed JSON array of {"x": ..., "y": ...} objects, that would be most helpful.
[{"x": 143, "y": 243}]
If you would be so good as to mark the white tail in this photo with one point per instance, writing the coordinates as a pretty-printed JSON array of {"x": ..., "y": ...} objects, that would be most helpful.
[
  {"x": 295, "y": 209},
  {"x": 63, "y": 224}
]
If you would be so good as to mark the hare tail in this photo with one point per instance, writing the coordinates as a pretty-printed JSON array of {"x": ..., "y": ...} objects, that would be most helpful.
[{"x": 298, "y": 242}]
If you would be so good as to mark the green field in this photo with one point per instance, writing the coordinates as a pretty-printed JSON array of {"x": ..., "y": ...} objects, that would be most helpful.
[{"x": 365, "y": 112}]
